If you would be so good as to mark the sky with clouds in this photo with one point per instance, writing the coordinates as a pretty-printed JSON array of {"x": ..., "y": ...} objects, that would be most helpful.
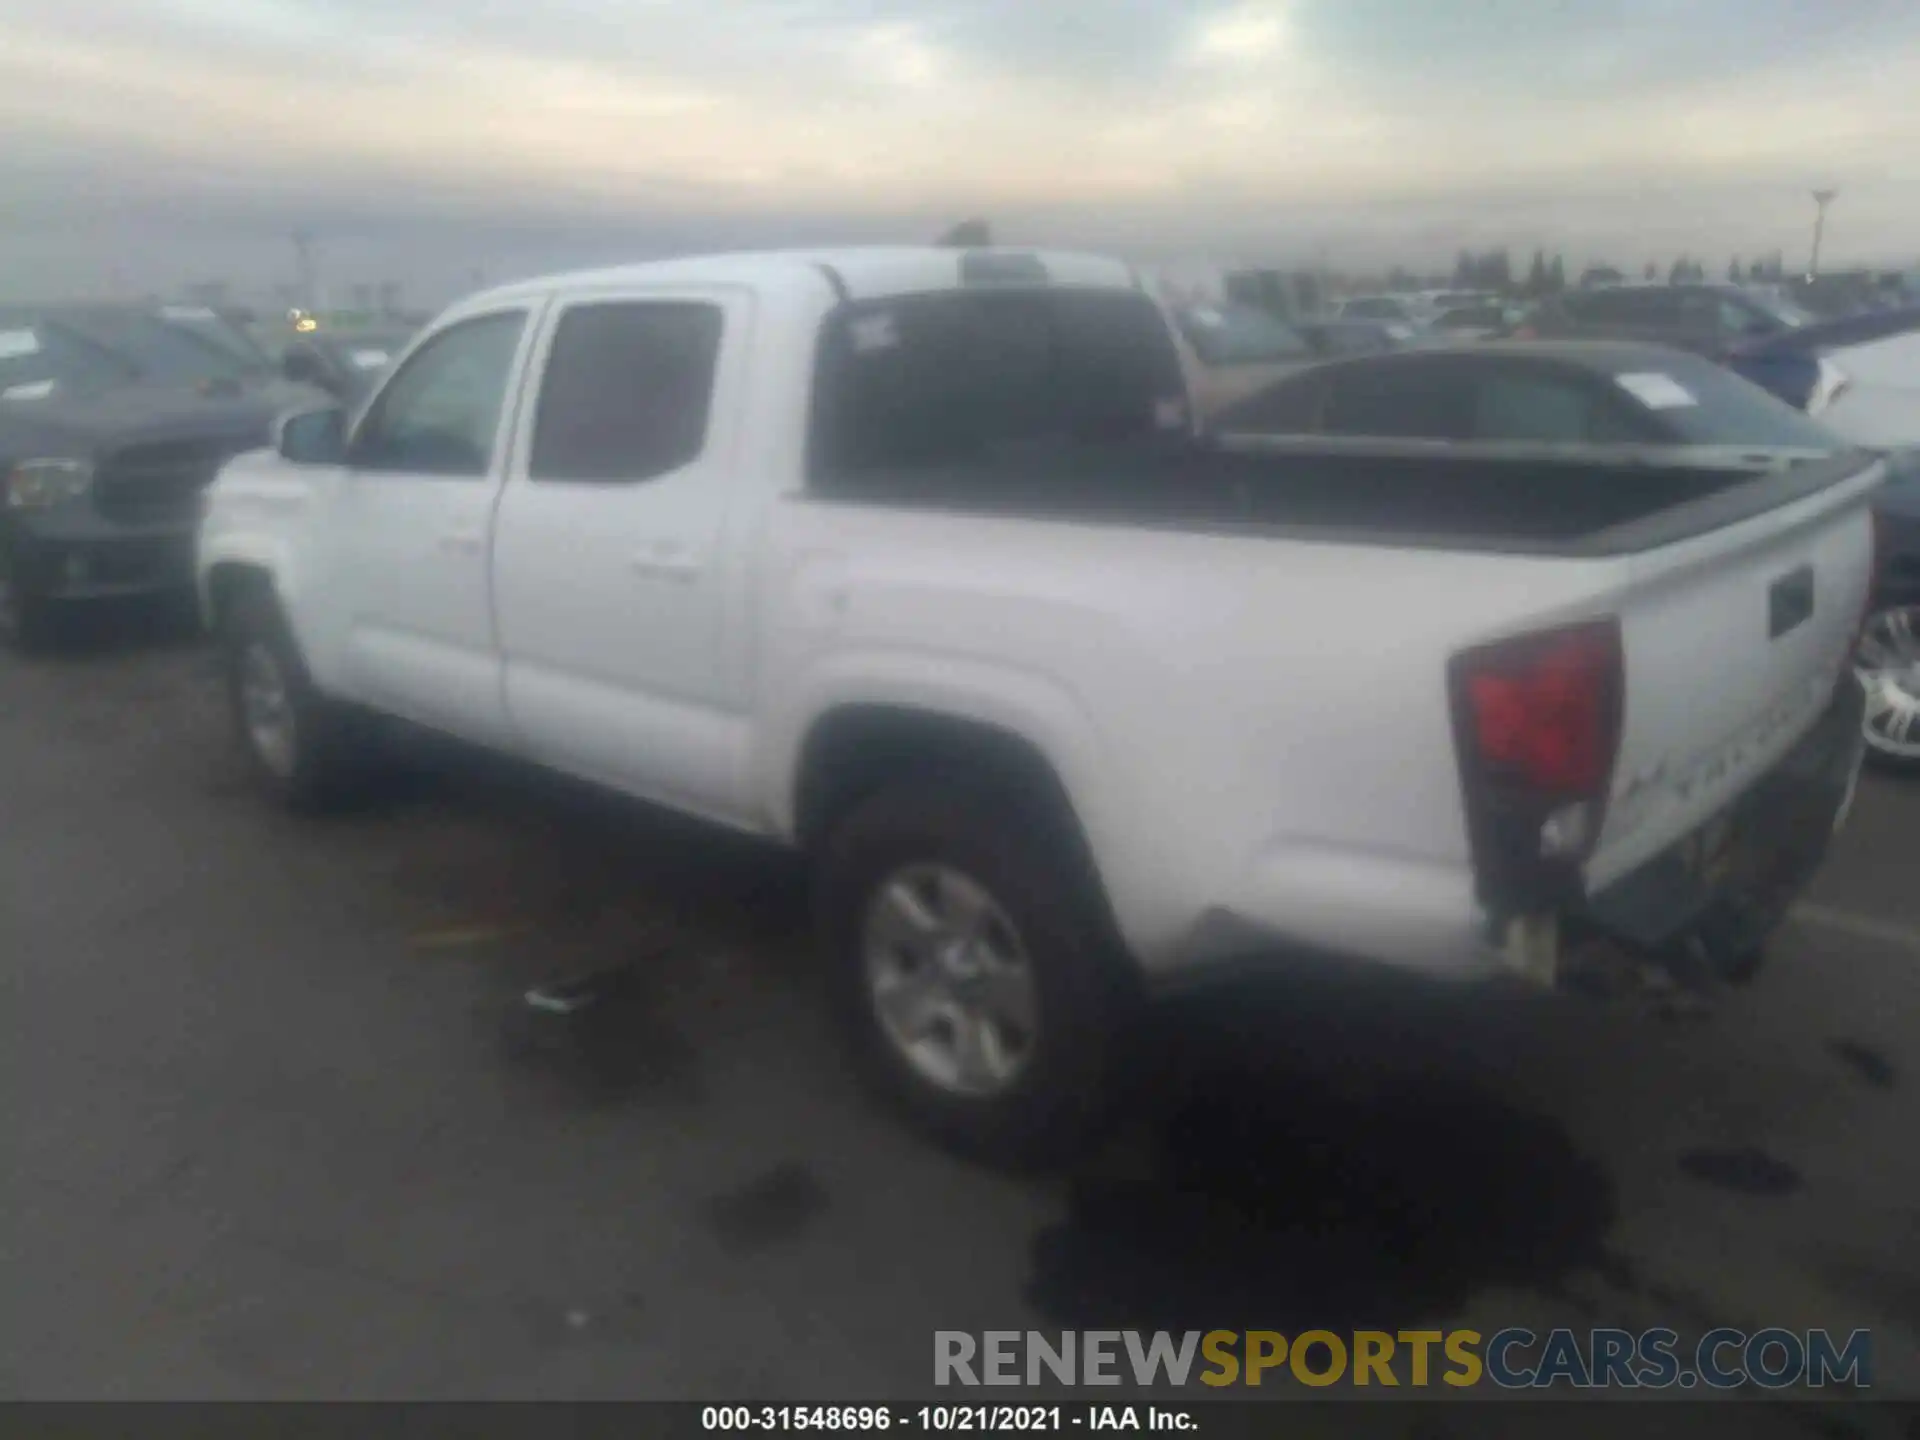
[{"x": 147, "y": 142}]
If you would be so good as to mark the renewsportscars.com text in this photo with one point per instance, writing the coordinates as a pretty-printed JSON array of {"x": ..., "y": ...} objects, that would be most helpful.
[{"x": 1771, "y": 1359}]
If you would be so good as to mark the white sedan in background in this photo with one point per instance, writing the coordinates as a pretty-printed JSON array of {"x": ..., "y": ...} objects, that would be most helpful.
[{"x": 1860, "y": 377}]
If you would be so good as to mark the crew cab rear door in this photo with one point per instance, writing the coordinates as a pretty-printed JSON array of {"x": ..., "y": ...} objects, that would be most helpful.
[{"x": 618, "y": 598}]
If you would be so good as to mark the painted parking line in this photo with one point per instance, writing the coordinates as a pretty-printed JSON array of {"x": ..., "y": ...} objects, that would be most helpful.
[{"x": 1860, "y": 927}]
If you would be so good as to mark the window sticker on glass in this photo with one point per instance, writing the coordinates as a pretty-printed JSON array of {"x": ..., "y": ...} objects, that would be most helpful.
[
  {"x": 1208, "y": 317},
  {"x": 33, "y": 390},
  {"x": 15, "y": 343},
  {"x": 187, "y": 312},
  {"x": 874, "y": 332},
  {"x": 1655, "y": 390},
  {"x": 369, "y": 359}
]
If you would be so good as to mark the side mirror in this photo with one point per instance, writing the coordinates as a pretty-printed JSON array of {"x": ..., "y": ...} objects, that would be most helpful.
[{"x": 312, "y": 437}]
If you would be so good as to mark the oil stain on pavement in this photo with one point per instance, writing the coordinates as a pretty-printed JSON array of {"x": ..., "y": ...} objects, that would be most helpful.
[
  {"x": 1743, "y": 1170},
  {"x": 1274, "y": 1201},
  {"x": 603, "y": 1038},
  {"x": 1869, "y": 1064},
  {"x": 771, "y": 1210}
]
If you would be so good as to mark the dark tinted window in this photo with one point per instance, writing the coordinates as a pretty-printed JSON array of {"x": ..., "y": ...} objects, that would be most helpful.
[
  {"x": 627, "y": 392},
  {"x": 1703, "y": 404},
  {"x": 1374, "y": 310},
  {"x": 1471, "y": 316},
  {"x": 205, "y": 326},
  {"x": 440, "y": 412},
  {"x": 1247, "y": 289},
  {"x": 38, "y": 360},
  {"x": 1348, "y": 337},
  {"x": 1401, "y": 400},
  {"x": 1736, "y": 315},
  {"x": 1626, "y": 307},
  {"x": 1555, "y": 317},
  {"x": 1291, "y": 407},
  {"x": 159, "y": 349},
  {"x": 1553, "y": 407},
  {"x": 106, "y": 345},
  {"x": 1240, "y": 335},
  {"x": 935, "y": 380}
]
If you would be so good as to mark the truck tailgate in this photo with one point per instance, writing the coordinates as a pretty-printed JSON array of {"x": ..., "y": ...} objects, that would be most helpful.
[{"x": 1734, "y": 642}]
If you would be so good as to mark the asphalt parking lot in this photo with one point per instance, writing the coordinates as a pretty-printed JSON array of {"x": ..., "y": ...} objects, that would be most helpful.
[{"x": 279, "y": 1127}]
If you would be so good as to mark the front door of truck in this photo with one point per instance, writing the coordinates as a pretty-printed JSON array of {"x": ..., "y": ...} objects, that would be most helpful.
[{"x": 415, "y": 525}]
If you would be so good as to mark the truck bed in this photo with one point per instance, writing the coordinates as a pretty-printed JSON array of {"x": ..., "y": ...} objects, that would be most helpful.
[{"x": 1573, "y": 505}]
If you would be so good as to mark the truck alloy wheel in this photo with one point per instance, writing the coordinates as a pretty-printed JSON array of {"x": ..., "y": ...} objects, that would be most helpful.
[
  {"x": 1888, "y": 664},
  {"x": 972, "y": 969},
  {"x": 300, "y": 746},
  {"x": 949, "y": 979},
  {"x": 266, "y": 709}
]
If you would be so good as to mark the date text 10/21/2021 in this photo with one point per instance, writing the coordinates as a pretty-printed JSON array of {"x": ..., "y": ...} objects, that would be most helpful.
[{"x": 941, "y": 1419}]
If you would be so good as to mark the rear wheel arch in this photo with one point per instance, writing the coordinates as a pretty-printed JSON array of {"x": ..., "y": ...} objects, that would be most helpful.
[
  {"x": 228, "y": 580},
  {"x": 889, "y": 798},
  {"x": 853, "y": 752}
]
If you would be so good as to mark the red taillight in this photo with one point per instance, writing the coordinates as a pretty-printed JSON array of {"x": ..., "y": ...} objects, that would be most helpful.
[{"x": 1543, "y": 711}]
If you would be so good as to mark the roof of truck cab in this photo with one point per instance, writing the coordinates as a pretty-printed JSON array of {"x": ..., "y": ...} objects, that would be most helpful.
[{"x": 870, "y": 272}]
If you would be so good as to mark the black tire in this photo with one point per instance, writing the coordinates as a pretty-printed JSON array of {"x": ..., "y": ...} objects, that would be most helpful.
[
  {"x": 26, "y": 617},
  {"x": 1904, "y": 766},
  {"x": 1058, "y": 1102},
  {"x": 324, "y": 760},
  {"x": 1877, "y": 755}
]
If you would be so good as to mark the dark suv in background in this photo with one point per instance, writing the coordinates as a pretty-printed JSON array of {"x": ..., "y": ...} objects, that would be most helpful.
[
  {"x": 112, "y": 419},
  {"x": 1710, "y": 320}
]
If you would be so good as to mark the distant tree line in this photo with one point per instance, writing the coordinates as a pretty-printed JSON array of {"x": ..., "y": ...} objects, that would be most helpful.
[
  {"x": 1547, "y": 275},
  {"x": 1493, "y": 269}
]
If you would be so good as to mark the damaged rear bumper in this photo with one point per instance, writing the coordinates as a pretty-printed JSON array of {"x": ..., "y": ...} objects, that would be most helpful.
[{"x": 1704, "y": 908}]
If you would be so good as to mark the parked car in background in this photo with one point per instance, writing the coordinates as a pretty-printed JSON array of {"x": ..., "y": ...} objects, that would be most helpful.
[
  {"x": 1861, "y": 378},
  {"x": 1889, "y": 662},
  {"x": 1432, "y": 302},
  {"x": 1478, "y": 321},
  {"x": 1536, "y": 393},
  {"x": 1835, "y": 295},
  {"x": 912, "y": 559},
  {"x": 227, "y": 330},
  {"x": 346, "y": 364},
  {"x": 1860, "y": 375},
  {"x": 1353, "y": 337},
  {"x": 1230, "y": 351},
  {"x": 1404, "y": 316},
  {"x": 1709, "y": 320},
  {"x": 112, "y": 418}
]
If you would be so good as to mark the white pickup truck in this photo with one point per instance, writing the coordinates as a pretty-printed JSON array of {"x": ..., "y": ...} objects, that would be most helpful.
[{"x": 913, "y": 558}]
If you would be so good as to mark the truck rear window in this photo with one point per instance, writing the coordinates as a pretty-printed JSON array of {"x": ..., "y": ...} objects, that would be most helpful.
[{"x": 977, "y": 376}]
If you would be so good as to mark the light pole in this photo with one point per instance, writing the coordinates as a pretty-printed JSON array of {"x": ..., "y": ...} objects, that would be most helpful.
[
  {"x": 307, "y": 276},
  {"x": 1821, "y": 199}
]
